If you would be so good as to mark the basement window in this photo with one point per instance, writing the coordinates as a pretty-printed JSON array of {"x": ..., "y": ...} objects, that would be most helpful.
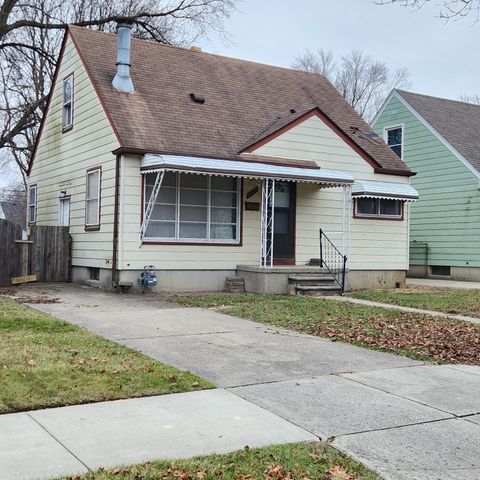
[
  {"x": 67, "y": 112},
  {"x": 378, "y": 208},
  {"x": 94, "y": 273},
  {"x": 440, "y": 270}
]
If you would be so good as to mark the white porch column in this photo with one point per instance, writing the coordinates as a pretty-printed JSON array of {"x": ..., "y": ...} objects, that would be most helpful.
[{"x": 267, "y": 222}]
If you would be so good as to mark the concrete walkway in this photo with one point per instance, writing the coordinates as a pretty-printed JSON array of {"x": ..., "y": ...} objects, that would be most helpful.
[
  {"x": 73, "y": 440},
  {"x": 404, "y": 419},
  {"x": 391, "y": 306}
]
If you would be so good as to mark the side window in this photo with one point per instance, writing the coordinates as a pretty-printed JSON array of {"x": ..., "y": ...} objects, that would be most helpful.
[
  {"x": 92, "y": 199},
  {"x": 378, "y": 208},
  {"x": 394, "y": 139},
  {"x": 32, "y": 204},
  {"x": 67, "y": 118}
]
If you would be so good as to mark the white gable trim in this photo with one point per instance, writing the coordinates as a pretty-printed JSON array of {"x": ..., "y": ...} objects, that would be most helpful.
[{"x": 442, "y": 139}]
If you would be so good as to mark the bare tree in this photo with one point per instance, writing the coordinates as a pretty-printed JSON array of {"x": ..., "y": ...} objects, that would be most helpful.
[
  {"x": 30, "y": 38},
  {"x": 363, "y": 81},
  {"x": 449, "y": 9},
  {"x": 473, "y": 99}
]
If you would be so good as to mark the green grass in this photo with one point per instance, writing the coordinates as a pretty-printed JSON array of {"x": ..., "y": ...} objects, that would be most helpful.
[
  {"x": 45, "y": 362},
  {"x": 302, "y": 461},
  {"x": 456, "y": 301},
  {"x": 415, "y": 335}
]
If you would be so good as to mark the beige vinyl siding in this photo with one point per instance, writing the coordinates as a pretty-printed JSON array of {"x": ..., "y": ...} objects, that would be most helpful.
[
  {"x": 178, "y": 257},
  {"x": 62, "y": 161},
  {"x": 374, "y": 244}
]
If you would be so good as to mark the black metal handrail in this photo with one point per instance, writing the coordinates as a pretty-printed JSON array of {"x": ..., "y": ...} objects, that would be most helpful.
[{"x": 333, "y": 260}]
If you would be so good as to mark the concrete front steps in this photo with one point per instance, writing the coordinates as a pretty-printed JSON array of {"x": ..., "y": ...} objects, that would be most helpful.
[{"x": 313, "y": 284}]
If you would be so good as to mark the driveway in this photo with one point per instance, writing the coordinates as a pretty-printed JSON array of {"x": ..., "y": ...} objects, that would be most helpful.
[{"x": 404, "y": 419}]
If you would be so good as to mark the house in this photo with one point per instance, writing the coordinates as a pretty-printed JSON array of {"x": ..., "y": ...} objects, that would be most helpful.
[
  {"x": 13, "y": 211},
  {"x": 209, "y": 167},
  {"x": 438, "y": 138}
]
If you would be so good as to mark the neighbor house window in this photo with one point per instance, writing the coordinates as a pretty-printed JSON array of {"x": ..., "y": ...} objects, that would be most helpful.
[
  {"x": 194, "y": 208},
  {"x": 394, "y": 139},
  {"x": 92, "y": 199},
  {"x": 32, "y": 204},
  {"x": 67, "y": 120},
  {"x": 378, "y": 207}
]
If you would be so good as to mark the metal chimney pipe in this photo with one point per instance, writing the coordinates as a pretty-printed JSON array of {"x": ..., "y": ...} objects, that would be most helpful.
[{"x": 122, "y": 80}]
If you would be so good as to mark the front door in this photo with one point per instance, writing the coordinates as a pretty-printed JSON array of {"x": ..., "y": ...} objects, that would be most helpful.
[{"x": 284, "y": 223}]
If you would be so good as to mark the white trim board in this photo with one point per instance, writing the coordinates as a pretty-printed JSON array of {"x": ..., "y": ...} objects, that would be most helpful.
[{"x": 442, "y": 139}]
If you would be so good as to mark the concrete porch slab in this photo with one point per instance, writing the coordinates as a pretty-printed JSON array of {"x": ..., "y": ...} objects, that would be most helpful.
[
  {"x": 27, "y": 451},
  {"x": 165, "y": 427},
  {"x": 437, "y": 386},
  {"x": 446, "y": 450},
  {"x": 331, "y": 405}
]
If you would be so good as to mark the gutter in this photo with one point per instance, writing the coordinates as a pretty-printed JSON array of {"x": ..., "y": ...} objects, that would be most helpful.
[{"x": 116, "y": 213}]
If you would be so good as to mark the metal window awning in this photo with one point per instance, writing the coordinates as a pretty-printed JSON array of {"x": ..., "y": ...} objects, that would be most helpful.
[
  {"x": 232, "y": 168},
  {"x": 393, "y": 191}
]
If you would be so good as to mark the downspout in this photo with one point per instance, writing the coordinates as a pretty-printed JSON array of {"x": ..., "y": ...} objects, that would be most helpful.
[{"x": 116, "y": 212}]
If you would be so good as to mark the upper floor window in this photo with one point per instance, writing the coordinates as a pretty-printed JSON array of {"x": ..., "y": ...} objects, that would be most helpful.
[
  {"x": 67, "y": 119},
  {"x": 92, "y": 199},
  {"x": 378, "y": 207},
  {"x": 194, "y": 208},
  {"x": 32, "y": 204},
  {"x": 394, "y": 139}
]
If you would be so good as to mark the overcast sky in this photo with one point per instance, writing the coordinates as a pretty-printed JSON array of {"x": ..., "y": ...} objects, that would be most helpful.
[{"x": 442, "y": 58}]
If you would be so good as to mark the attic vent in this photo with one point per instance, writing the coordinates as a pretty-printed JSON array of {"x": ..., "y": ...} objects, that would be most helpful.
[
  {"x": 197, "y": 98},
  {"x": 194, "y": 48}
]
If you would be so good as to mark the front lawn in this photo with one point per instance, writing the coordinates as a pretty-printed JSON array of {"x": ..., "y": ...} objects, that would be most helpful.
[
  {"x": 300, "y": 461},
  {"x": 456, "y": 301},
  {"x": 45, "y": 362},
  {"x": 415, "y": 335}
]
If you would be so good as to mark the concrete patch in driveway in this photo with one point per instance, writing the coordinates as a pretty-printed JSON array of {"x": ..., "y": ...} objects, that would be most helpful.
[
  {"x": 438, "y": 386},
  {"x": 446, "y": 450},
  {"x": 251, "y": 356},
  {"x": 331, "y": 405},
  {"x": 164, "y": 427},
  {"x": 27, "y": 451}
]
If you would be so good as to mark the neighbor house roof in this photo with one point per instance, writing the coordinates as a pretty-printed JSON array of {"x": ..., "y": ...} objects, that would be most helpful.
[
  {"x": 244, "y": 101},
  {"x": 457, "y": 122},
  {"x": 13, "y": 212}
]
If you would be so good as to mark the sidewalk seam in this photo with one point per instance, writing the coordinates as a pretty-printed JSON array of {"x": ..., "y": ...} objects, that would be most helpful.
[{"x": 58, "y": 441}]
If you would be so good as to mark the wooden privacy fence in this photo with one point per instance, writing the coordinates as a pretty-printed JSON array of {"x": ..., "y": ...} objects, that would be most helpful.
[{"x": 45, "y": 256}]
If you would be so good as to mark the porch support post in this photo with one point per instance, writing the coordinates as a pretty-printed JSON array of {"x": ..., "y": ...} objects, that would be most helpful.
[
  {"x": 346, "y": 213},
  {"x": 267, "y": 222},
  {"x": 151, "y": 203}
]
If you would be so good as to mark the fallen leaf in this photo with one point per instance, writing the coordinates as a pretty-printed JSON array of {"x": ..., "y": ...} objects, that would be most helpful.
[{"x": 32, "y": 363}]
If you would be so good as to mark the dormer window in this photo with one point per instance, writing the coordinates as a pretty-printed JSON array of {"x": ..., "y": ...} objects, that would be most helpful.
[
  {"x": 394, "y": 138},
  {"x": 67, "y": 119}
]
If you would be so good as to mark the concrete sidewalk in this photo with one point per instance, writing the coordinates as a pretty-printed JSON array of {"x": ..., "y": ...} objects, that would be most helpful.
[
  {"x": 405, "y": 419},
  {"x": 441, "y": 283},
  {"x": 391, "y": 306},
  {"x": 73, "y": 440}
]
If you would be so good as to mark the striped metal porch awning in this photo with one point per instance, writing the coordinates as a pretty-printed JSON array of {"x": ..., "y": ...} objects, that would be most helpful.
[
  {"x": 232, "y": 168},
  {"x": 387, "y": 190}
]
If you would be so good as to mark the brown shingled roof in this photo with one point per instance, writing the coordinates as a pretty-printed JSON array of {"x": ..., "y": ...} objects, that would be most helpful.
[
  {"x": 242, "y": 100},
  {"x": 457, "y": 122}
]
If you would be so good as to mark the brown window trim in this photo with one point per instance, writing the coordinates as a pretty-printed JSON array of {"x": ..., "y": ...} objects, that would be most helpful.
[
  {"x": 96, "y": 227},
  {"x": 395, "y": 218},
  {"x": 203, "y": 244},
  {"x": 67, "y": 128}
]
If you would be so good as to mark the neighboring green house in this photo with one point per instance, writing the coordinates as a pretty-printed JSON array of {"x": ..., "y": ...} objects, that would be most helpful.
[{"x": 440, "y": 140}]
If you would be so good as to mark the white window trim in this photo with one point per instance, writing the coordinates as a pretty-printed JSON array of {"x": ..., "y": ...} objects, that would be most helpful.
[
  {"x": 34, "y": 204},
  {"x": 206, "y": 240},
  {"x": 380, "y": 215},
  {"x": 60, "y": 219},
  {"x": 87, "y": 199},
  {"x": 64, "y": 104},
  {"x": 393, "y": 127}
]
